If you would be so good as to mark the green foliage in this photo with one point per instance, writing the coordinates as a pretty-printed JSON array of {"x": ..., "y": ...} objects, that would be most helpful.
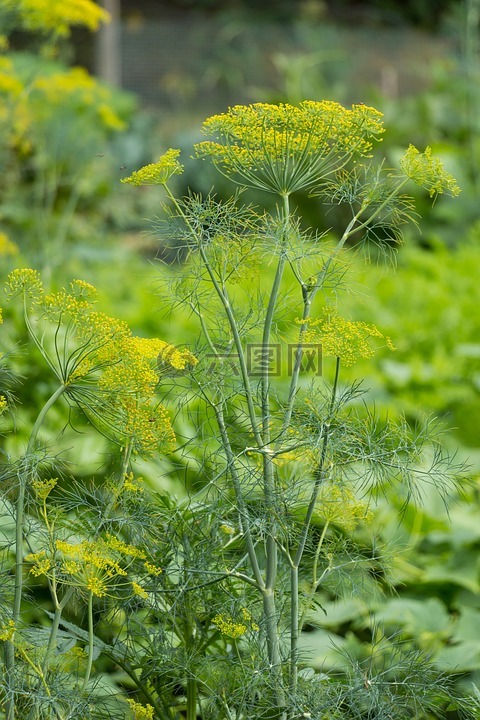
[{"x": 211, "y": 604}]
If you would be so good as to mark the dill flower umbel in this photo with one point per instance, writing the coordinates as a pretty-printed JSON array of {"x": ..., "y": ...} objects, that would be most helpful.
[
  {"x": 58, "y": 16},
  {"x": 427, "y": 171},
  {"x": 109, "y": 373},
  {"x": 158, "y": 173},
  {"x": 283, "y": 148},
  {"x": 345, "y": 339},
  {"x": 141, "y": 712}
]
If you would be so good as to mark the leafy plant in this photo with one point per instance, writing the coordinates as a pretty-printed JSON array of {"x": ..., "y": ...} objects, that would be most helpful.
[{"x": 205, "y": 606}]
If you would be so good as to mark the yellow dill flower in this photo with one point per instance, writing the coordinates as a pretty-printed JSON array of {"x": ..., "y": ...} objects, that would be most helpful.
[
  {"x": 81, "y": 288},
  {"x": 3, "y": 400},
  {"x": 41, "y": 563},
  {"x": 427, "y": 170},
  {"x": 10, "y": 84},
  {"x": 158, "y": 173},
  {"x": 81, "y": 90},
  {"x": 7, "y": 247},
  {"x": 339, "y": 505},
  {"x": 147, "y": 426},
  {"x": 283, "y": 148},
  {"x": 7, "y": 631},
  {"x": 152, "y": 569},
  {"x": 95, "y": 585},
  {"x": 139, "y": 590},
  {"x": 227, "y": 626},
  {"x": 58, "y": 16},
  {"x": 227, "y": 529},
  {"x": 25, "y": 281},
  {"x": 130, "y": 550},
  {"x": 141, "y": 712},
  {"x": 95, "y": 554},
  {"x": 345, "y": 339},
  {"x": 43, "y": 488},
  {"x": 71, "y": 567},
  {"x": 132, "y": 485}
]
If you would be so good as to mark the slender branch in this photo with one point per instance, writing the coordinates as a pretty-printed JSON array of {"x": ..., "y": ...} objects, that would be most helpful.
[
  {"x": 315, "y": 581},
  {"x": 90, "y": 642},
  {"x": 242, "y": 508},
  {"x": 19, "y": 542},
  {"x": 231, "y": 321}
]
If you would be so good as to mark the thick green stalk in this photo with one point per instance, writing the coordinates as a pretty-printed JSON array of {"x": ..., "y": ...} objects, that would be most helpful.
[
  {"x": 191, "y": 699},
  {"x": 269, "y": 605},
  {"x": 319, "y": 477},
  {"x": 19, "y": 540}
]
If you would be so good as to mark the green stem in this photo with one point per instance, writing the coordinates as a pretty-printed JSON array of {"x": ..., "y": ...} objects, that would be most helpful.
[
  {"x": 231, "y": 321},
  {"x": 19, "y": 541},
  {"x": 269, "y": 604},
  {"x": 191, "y": 698},
  {"x": 57, "y": 617},
  {"x": 242, "y": 508},
  {"x": 315, "y": 581},
  {"x": 90, "y": 642},
  {"x": 319, "y": 478}
]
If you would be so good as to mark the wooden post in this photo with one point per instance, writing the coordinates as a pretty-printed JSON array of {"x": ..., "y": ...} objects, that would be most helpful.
[{"x": 108, "y": 50}]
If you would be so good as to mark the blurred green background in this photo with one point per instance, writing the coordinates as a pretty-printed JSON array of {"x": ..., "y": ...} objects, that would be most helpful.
[{"x": 67, "y": 139}]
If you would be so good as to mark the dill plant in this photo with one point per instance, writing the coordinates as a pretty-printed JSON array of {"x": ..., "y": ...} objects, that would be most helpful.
[
  {"x": 167, "y": 608},
  {"x": 291, "y": 468}
]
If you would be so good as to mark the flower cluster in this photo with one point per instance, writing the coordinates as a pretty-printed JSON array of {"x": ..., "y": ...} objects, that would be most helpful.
[
  {"x": 141, "y": 712},
  {"x": 232, "y": 628},
  {"x": 10, "y": 85},
  {"x": 7, "y": 630},
  {"x": 428, "y": 171},
  {"x": 158, "y": 173},
  {"x": 283, "y": 148},
  {"x": 108, "y": 372},
  {"x": 76, "y": 88},
  {"x": 24, "y": 281},
  {"x": 344, "y": 339},
  {"x": 98, "y": 566},
  {"x": 57, "y": 16}
]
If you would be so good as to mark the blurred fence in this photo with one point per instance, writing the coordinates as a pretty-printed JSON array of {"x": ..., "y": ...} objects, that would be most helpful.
[{"x": 188, "y": 62}]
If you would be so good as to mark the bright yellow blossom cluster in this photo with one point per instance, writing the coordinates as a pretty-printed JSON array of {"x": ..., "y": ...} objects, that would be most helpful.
[
  {"x": 428, "y": 171},
  {"x": 95, "y": 565},
  {"x": 344, "y": 339},
  {"x": 43, "y": 488},
  {"x": 132, "y": 485},
  {"x": 10, "y": 84},
  {"x": 232, "y": 628},
  {"x": 141, "y": 712},
  {"x": 111, "y": 374},
  {"x": 7, "y": 631},
  {"x": 3, "y": 404},
  {"x": 57, "y": 16},
  {"x": 282, "y": 148},
  {"x": 24, "y": 281},
  {"x": 158, "y": 173}
]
